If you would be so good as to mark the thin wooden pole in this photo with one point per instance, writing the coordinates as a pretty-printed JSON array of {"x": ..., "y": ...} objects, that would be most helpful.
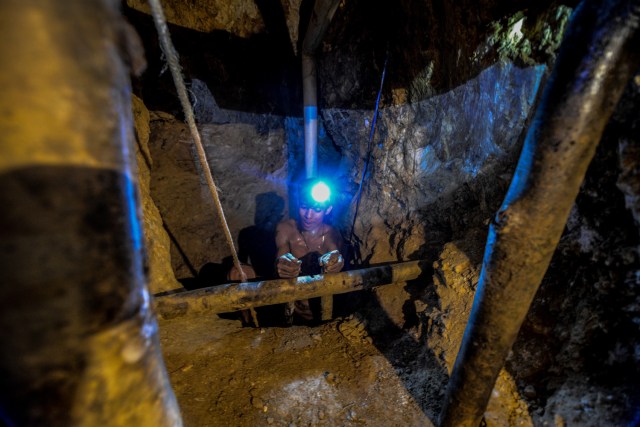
[{"x": 172, "y": 59}]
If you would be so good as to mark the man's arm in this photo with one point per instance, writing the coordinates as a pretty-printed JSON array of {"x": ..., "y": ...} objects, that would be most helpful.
[
  {"x": 333, "y": 239},
  {"x": 332, "y": 261},
  {"x": 287, "y": 266}
]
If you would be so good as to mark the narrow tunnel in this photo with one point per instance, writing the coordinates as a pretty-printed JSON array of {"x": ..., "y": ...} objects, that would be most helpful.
[{"x": 120, "y": 305}]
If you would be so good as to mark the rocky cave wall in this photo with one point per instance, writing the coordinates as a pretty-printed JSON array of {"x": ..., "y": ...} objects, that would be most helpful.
[
  {"x": 423, "y": 152},
  {"x": 447, "y": 140},
  {"x": 252, "y": 188}
]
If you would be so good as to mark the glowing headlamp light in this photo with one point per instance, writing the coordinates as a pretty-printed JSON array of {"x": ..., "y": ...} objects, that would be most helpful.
[{"x": 320, "y": 192}]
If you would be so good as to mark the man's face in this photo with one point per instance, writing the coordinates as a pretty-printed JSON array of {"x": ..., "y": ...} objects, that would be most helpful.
[{"x": 311, "y": 218}]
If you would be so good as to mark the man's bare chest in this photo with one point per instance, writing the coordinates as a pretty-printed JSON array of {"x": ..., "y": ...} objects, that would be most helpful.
[{"x": 303, "y": 243}]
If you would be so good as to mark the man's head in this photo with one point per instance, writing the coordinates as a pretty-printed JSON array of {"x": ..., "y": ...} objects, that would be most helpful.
[{"x": 314, "y": 203}]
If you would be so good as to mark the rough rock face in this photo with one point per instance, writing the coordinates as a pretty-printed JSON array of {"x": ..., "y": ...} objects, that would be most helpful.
[
  {"x": 239, "y": 17},
  {"x": 251, "y": 61},
  {"x": 432, "y": 158},
  {"x": 443, "y": 310},
  {"x": 432, "y": 47},
  {"x": 576, "y": 359},
  {"x": 248, "y": 161},
  {"x": 161, "y": 277},
  {"x": 291, "y": 9},
  {"x": 628, "y": 149},
  {"x": 440, "y": 168}
]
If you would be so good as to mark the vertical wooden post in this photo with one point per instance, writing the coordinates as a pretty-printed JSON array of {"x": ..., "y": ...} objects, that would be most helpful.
[
  {"x": 597, "y": 58},
  {"x": 79, "y": 341},
  {"x": 321, "y": 16},
  {"x": 310, "y": 101}
]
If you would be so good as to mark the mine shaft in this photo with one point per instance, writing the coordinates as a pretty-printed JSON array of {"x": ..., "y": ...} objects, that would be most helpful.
[{"x": 320, "y": 213}]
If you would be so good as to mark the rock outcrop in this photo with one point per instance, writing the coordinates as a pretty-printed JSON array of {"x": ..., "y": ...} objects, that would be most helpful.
[
  {"x": 160, "y": 273},
  {"x": 249, "y": 164},
  {"x": 239, "y": 17}
]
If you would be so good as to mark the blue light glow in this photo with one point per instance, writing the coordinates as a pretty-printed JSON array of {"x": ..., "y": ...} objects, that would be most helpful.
[
  {"x": 132, "y": 207},
  {"x": 320, "y": 192},
  {"x": 310, "y": 113}
]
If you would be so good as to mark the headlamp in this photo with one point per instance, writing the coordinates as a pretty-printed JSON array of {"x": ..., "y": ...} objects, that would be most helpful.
[{"x": 320, "y": 192}]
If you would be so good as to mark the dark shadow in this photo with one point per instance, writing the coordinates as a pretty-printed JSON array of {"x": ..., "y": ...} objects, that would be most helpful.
[
  {"x": 257, "y": 243},
  {"x": 255, "y": 74},
  {"x": 405, "y": 347},
  {"x": 417, "y": 291},
  {"x": 210, "y": 274},
  {"x": 276, "y": 23},
  {"x": 257, "y": 247},
  {"x": 306, "y": 9},
  {"x": 181, "y": 251}
]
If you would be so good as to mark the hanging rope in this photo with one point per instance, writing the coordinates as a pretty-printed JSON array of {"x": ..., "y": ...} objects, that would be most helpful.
[
  {"x": 371, "y": 134},
  {"x": 172, "y": 59}
]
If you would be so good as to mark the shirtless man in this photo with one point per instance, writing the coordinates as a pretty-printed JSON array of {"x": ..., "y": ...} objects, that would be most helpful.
[{"x": 309, "y": 246}]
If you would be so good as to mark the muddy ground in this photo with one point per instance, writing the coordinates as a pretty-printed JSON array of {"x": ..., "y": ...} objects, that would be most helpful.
[{"x": 329, "y": 375}]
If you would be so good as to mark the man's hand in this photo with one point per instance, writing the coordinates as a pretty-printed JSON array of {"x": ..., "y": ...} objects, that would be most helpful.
[
  {"x": 235, "y": 275},
  {"x": 288, "y": 266},
  {"x": 332, "y": 262}
]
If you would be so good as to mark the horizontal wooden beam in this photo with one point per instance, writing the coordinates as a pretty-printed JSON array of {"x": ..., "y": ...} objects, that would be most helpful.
[{"x": 240, "y": 296}]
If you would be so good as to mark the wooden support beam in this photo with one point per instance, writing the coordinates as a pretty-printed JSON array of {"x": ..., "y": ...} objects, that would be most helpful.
[
  {"x": 79, "y": 340},
  {"x": 239, "y": 296},
  {"x": 323, "y": 11},
  {"x": 597, "y": 59}
]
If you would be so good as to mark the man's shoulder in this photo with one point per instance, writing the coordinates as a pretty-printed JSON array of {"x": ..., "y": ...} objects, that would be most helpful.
[
  {"x": 330, "y": 228},
  {"x": 333, "y": 234},
  {"x": 288, "y": 225}
]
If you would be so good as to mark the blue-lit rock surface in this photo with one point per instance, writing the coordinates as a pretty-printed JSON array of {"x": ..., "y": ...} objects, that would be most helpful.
[{"x": 456, "y": 148}]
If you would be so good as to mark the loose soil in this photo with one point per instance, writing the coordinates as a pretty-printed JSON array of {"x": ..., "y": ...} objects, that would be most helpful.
[{"x": 330, "y": 375}]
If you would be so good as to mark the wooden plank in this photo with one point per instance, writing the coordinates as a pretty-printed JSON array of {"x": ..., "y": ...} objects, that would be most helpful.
[{"x": 240, "y": 296}]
